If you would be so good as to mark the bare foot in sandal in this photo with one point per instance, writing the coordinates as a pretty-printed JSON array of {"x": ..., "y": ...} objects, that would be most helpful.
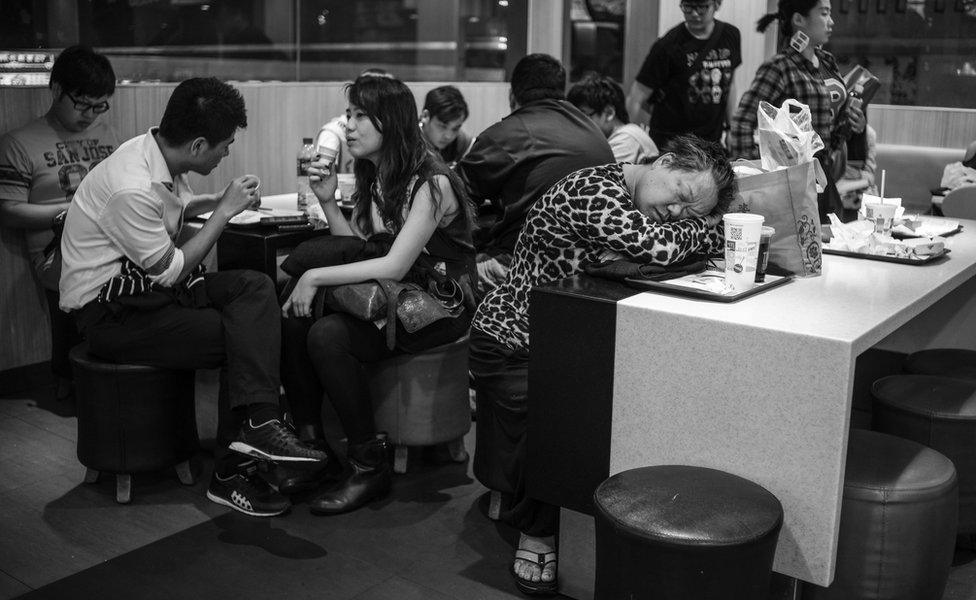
[{"x": 534, "y": 568}]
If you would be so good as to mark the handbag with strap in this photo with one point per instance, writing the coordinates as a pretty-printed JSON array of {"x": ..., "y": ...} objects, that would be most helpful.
[{"x": 400, "y": 303}]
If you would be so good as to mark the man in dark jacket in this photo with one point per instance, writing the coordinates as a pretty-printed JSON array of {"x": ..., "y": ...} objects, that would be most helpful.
[{"x": 516, "y": 160}]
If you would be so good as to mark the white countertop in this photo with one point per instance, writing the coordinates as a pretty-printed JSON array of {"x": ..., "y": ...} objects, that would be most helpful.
[
  {"x": 857, "y": 301},
  {"x": 762, "y": 387}
]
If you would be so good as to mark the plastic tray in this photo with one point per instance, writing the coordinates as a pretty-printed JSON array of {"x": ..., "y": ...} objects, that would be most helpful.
[
  {"x": 901, "y": 232},
  {"x": 680, "y": 287},
  {"x": 886, "y": 258}
]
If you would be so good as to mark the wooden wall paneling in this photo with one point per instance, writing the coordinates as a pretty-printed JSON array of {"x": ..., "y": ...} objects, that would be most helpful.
[
  {"x": 920, "y": 126},
  {"x": 24, "y": 337}
]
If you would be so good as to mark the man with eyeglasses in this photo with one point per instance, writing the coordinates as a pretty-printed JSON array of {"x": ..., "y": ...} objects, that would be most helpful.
[
  {"x": 41, "y": 165},
  {"x": 686, "y": 79}
]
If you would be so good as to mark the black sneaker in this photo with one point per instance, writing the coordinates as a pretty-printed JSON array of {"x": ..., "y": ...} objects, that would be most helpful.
[
  {"x": 294, "y": 479},
  {"x": 275, "y": 441},
  {"x": 247, "y": 492}
]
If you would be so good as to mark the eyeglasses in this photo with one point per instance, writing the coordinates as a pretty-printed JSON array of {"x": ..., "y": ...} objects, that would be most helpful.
[
  {"x": 695, "y": 8},
  {"x": 82, "y": 106}
]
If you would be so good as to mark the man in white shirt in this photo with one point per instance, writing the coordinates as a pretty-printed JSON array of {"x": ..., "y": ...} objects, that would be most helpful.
[
  {"x": 602, "y": 100},
  {"x": 139, "y": 298}
]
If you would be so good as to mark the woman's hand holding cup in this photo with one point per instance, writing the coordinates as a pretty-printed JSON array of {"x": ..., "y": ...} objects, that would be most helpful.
[{"x": 322, "y": 180}]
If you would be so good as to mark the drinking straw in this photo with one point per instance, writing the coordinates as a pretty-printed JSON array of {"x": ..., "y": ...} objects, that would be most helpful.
[{"x": 882, "y": 185}]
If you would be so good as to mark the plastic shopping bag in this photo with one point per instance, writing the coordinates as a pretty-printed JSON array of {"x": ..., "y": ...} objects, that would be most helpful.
[{"x": 786, "y": 138}]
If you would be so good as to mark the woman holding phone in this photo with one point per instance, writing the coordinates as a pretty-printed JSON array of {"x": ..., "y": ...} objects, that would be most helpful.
[
  {"x": 803, "y": 71},
  {"x": 404, "y": 192}
]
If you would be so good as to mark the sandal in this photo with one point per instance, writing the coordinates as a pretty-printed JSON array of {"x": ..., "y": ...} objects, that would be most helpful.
[{"x": 536, "y": 588}]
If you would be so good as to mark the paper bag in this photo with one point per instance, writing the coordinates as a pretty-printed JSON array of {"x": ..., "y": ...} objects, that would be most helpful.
[{"x": 787, "y": 199}]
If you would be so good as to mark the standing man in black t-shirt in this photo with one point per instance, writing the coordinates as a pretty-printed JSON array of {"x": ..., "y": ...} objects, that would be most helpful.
[{"x": 686, "y": 78}]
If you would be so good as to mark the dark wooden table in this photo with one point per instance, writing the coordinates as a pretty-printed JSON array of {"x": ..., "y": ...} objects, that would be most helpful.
[{"x": 260, "y": 248}]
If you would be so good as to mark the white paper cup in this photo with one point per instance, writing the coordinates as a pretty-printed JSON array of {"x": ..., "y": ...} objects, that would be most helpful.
[
  {"x": 882, "y": 215},
  {"x": 327, "y": 146},
  {"x": 346, "y": 187},
  {"x": 742, "y": 234}
]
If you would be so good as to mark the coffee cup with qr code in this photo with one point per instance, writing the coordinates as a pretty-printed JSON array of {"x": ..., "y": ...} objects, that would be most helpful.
[{"x": 742, "y": 235}]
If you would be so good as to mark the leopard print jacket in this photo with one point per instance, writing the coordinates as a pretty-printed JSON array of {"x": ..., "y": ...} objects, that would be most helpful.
[{"x": 584, "y": 214}]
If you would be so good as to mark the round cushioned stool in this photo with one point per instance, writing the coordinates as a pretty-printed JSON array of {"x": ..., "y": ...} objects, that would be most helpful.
[
  {"x": 897, "y": 523},
  {"x": 678, "y": 532},
  {"x": 422, "y": 399},
  {"x": 132, "y": 419},
  {"x": 948, "y": 362},
  {"x": 938, "y": 412}
]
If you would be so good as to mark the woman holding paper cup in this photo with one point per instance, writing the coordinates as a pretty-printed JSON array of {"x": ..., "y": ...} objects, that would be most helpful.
[
  {"x": 402, "y": 191},
  {"x": 805, "y": 72}
]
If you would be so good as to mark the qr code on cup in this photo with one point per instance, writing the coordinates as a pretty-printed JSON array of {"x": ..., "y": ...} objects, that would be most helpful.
[{"x": 735, "y": 233}]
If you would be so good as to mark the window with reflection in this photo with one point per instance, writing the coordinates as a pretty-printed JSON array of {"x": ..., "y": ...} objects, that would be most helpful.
[
  {"x": 285, "y": 40},
  {"x": 923, "y": 51},
  {"x": 597, "y": 38}
]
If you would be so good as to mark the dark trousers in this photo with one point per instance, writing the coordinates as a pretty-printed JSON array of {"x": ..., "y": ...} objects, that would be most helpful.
[
  {"x": 327, "y": 356},
  {"x": 239, "y": 331},
  {"x": 501, "y": 381},
  {"x": 64, "y": 335}
]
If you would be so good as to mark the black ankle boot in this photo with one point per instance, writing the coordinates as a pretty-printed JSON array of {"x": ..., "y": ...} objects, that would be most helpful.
[
  {"x": 368, "y": 478},
  {"x": 294, "y": 479}
]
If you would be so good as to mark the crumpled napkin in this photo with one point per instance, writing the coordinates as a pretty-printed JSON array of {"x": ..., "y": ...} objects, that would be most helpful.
[{"x": 859, "y": 236}]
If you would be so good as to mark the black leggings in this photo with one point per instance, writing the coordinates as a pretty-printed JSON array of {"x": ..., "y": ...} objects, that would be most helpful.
[{"x": 327, "y": 356}]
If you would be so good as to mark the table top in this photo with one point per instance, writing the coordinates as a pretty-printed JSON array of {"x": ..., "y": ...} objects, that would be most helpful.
[{"x": 856, "y": 301}]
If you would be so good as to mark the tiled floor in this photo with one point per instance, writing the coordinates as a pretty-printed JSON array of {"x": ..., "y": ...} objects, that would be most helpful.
[{"x": 60, "y": 538}]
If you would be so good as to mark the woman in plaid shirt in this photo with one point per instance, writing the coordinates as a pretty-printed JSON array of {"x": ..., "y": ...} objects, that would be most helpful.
[{"x": 804, "y": 72}]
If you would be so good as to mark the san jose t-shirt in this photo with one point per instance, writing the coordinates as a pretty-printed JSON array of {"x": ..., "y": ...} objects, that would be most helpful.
[{"x": 42, "y": 163}]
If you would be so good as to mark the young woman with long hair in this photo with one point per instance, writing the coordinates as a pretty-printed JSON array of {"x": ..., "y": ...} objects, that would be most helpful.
[
  {"x": 803, "y": 71},
  {"x": 402, "y": 191}
]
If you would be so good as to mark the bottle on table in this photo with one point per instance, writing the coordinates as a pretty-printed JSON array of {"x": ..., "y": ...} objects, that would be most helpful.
[{"x": 303, "y": 162}]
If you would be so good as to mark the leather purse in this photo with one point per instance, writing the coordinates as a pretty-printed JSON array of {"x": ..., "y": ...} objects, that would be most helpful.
[{"x": 408, "y": 303}]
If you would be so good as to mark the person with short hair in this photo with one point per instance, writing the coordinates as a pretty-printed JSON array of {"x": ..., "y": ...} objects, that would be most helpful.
[
  {"x": 41, "y": 165},
  {"x": 513, "y": 162},
  {"x": 661, "y": 213},
  {"x": 602, "y": 100},
  {"x": 139, "y": 298},
  {"x": 687, "y": 77},
  {"x": 444, "y": 112}
]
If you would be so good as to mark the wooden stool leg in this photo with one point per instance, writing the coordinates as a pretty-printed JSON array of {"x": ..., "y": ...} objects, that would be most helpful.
[
  {"x": 184, "y": 472},
  {"x": 456, "y": 448},
  {"x": 91, "y": 475},
  {"x": 123, "y": 488},
  {"x": 494, "y": 505},
  {"x": 400, "y": 459}
]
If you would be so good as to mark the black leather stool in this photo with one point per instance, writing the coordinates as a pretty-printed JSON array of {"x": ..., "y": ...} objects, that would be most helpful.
[
  {"x": 677, "y": 532},
  {"x": 132, "y": 419},
  {"x": 897, "y": 523},
  {"x": 949, "y": 362},
  {"x": 938, "y": 412}
]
